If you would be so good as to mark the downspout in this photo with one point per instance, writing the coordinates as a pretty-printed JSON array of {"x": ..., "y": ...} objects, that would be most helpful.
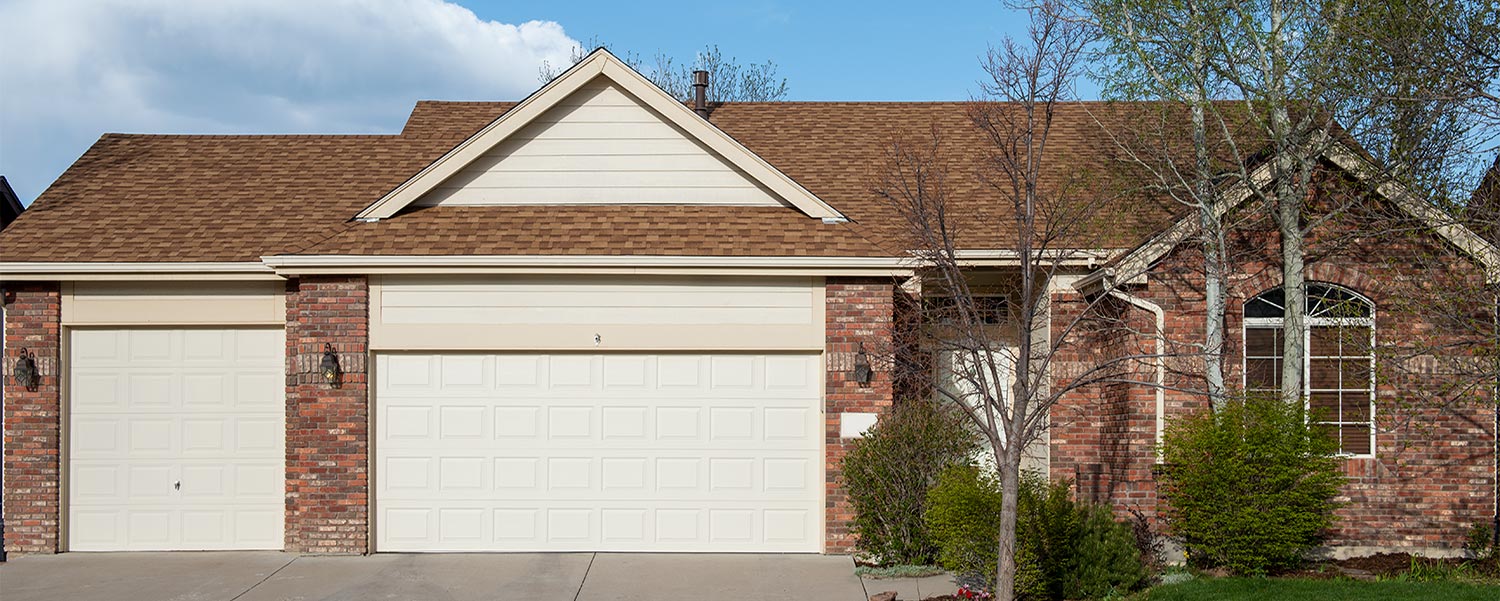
[
  {"x": 1161, "y": 359},
  {"x": 1495, "y": 399}
]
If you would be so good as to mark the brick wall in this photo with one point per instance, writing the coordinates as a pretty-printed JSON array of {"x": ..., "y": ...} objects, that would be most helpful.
[
  {"x": 1434, "y": 470},
  {"x": 857, "y": 311},
  {"x": 32, "y": 420},
  {"x": 327, "y": 428}
]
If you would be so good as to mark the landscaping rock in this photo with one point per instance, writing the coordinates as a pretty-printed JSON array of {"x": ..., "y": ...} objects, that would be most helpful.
[{"x": 885, "y": 596}]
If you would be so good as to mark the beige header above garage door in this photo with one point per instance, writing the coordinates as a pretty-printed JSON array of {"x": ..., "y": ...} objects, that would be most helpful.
[
  {"x": 595, "y": 312},
  {"x": 173, "y": 303}
]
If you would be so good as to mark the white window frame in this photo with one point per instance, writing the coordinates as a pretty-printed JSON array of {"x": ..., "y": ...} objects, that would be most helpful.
[{"x": 1248, "y": 323}]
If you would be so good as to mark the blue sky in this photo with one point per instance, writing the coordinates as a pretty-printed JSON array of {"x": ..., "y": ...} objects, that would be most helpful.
[
  {"x": 877, "y": 50},
  {"x": 77, "y": 69}
]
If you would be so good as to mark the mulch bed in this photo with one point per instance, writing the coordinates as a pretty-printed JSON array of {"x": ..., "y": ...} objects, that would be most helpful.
[{"x": 1382, "y": 565}]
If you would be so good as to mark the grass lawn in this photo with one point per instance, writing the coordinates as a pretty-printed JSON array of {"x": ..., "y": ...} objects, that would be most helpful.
[{"x": 1235, "y": 589}]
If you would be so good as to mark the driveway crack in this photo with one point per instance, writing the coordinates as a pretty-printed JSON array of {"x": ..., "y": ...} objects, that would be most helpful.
[
  {"x": 581, "y": 582},
  {"x": 268, "y": 577}
]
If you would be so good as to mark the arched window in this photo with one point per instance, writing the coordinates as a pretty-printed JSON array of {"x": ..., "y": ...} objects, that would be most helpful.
[{"x": 1338, "y": 364}]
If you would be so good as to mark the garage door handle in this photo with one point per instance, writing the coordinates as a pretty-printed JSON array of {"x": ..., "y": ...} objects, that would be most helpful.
[{"x": 177, "y": 485}]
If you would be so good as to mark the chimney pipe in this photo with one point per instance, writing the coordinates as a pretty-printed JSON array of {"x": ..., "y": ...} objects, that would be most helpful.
[{"x": 700, "y": 93}]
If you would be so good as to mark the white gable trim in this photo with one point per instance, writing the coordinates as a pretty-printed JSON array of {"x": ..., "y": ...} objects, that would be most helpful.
[
  {"x": 599, "y": 63},
  {"x": 1132, "y": 268}
]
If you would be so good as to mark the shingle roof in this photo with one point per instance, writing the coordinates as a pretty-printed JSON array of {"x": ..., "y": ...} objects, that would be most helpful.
[
  {"x": 153, "y": 198},
  {"x": 599, "y": 230}
]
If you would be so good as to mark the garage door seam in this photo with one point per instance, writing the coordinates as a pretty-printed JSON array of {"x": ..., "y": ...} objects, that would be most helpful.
[
  {"x": 263, "y": 580},
  {"x": 580, "y": 582}
]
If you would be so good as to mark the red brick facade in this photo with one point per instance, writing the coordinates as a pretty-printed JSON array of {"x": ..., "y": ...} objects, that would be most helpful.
[
  {"x": 858, "y": 311},
  {"x": 32, "y": 420},
  {"x": 327, "y": 428},
  {"x": 1434, "y": 470}
]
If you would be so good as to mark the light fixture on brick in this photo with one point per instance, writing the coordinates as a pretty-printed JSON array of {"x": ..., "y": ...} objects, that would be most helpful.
[
  {"x": 26, "y": 372},
  {"x": 330, "y": 368},
  {"x": 862, "y": 370}
]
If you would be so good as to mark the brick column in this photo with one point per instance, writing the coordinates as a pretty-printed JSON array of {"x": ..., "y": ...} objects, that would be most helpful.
[
  {"x": 327, "y": 428},
  {"x": 32, "y": 420},
  {"x": 857, "y": 311}
]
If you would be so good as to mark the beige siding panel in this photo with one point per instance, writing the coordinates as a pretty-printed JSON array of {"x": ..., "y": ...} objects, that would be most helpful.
[
  {"x": 602, "y": 146},
  {"x": 592, "y": 313},
  {"x": 173, "y": 303}
]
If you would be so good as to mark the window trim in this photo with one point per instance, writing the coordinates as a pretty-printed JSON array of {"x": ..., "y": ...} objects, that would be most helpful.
[{"x": 1247, "y": 323}]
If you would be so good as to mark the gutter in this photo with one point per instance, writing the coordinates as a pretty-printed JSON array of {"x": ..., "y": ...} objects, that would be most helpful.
[
  {"x": 292, "y": 265},
  {"x": 44, "y": 271},
  {"x": 1161, "y": 358}
]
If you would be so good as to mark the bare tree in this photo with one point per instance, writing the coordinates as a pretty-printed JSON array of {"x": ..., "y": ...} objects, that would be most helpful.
[
  {"x": 1007, "y": 363},
  {"x": 728, "y": 79}
]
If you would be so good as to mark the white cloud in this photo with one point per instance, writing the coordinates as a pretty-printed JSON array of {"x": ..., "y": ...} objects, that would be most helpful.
[{"x": 72, "y": 70}]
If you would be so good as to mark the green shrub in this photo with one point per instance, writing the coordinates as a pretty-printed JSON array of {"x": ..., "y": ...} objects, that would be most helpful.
[
  {"x": 1082, "y": 551},
  {"x": 963, "y": 516},
  {"x": 1480, "y": 542},
  {"x": 889, "y": 471},
  {"x": 1047, "y": 527},
  {"x": 1106, "y": 561},
  {"x": 1064, "y": 550},
  {"x": 1249, "y": 488}
]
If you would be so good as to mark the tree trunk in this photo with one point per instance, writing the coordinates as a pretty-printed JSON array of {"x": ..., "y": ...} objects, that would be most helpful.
[
  {"x": 1010, "y": 487},
  {"x": 1213, "y": 260},
  {"x": 1289, "y": 199},
  {"x": 1294, "y": 286}
]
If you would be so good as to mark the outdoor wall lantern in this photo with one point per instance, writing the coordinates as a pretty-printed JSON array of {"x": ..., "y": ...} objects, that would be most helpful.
[
  {"x": 862, "y": 370},
  {"x": 330, "y": 368},
  {"x": 26, "y": 371}
]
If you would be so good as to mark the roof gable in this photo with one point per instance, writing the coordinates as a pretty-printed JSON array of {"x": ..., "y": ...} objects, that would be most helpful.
[
  {"x": 1133, "y": 266},
  {"x": 599, "y": 103},
  {"x": 601, "y": 145}
]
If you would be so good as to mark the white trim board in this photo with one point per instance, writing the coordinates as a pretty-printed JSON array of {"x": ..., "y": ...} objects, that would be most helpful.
[
  {"x": 600, "y": 63},
  {"x": 48, "y": 271}
]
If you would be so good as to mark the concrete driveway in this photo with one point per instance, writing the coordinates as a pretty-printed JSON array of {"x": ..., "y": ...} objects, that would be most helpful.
[{"x": 267, "y": 576}]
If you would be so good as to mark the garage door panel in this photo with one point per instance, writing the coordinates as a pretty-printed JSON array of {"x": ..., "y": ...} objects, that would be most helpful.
[
  {"x": 563, "y": 525},
  {"x": 178, "y": 437},
  {"x": 563, "y": 376},
  {"x": 578, "y": 452}
]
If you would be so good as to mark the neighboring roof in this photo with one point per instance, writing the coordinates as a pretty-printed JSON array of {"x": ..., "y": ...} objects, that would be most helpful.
[
  {"x": 1484, "y": 205},
  {"x": 10, "y": 204},
  {"x": 598, "y": 64}
]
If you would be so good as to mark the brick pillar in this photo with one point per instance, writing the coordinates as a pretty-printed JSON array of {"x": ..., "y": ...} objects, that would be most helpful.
[
  {"x": 327, "y": 428},
  {"x": 32, "y": 420},
  {"x": 857, "y": 311}
]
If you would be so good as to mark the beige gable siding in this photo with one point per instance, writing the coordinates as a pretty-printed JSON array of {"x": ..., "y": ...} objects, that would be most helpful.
[
  {"x": 600, "y": 146},
  {"x": 569, "y": 312}
]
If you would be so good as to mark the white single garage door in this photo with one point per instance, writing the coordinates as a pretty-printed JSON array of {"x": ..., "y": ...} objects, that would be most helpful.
[
  {"x": 176, "y": 439},
  {"x": 619, "y": 452}
]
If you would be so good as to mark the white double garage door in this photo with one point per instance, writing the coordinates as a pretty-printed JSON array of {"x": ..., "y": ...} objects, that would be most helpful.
[
  {"x": 176, "y": 441},
  {"x": 619, "y": 451}
]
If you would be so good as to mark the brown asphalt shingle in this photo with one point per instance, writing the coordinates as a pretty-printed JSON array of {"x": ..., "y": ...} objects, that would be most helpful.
[{"x": 156, "y": 198}]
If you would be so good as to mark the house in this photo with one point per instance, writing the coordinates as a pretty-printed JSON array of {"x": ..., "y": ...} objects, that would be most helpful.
[
  {"x": 10, "y": 204},
  {"x": 590, "y": 320}
]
